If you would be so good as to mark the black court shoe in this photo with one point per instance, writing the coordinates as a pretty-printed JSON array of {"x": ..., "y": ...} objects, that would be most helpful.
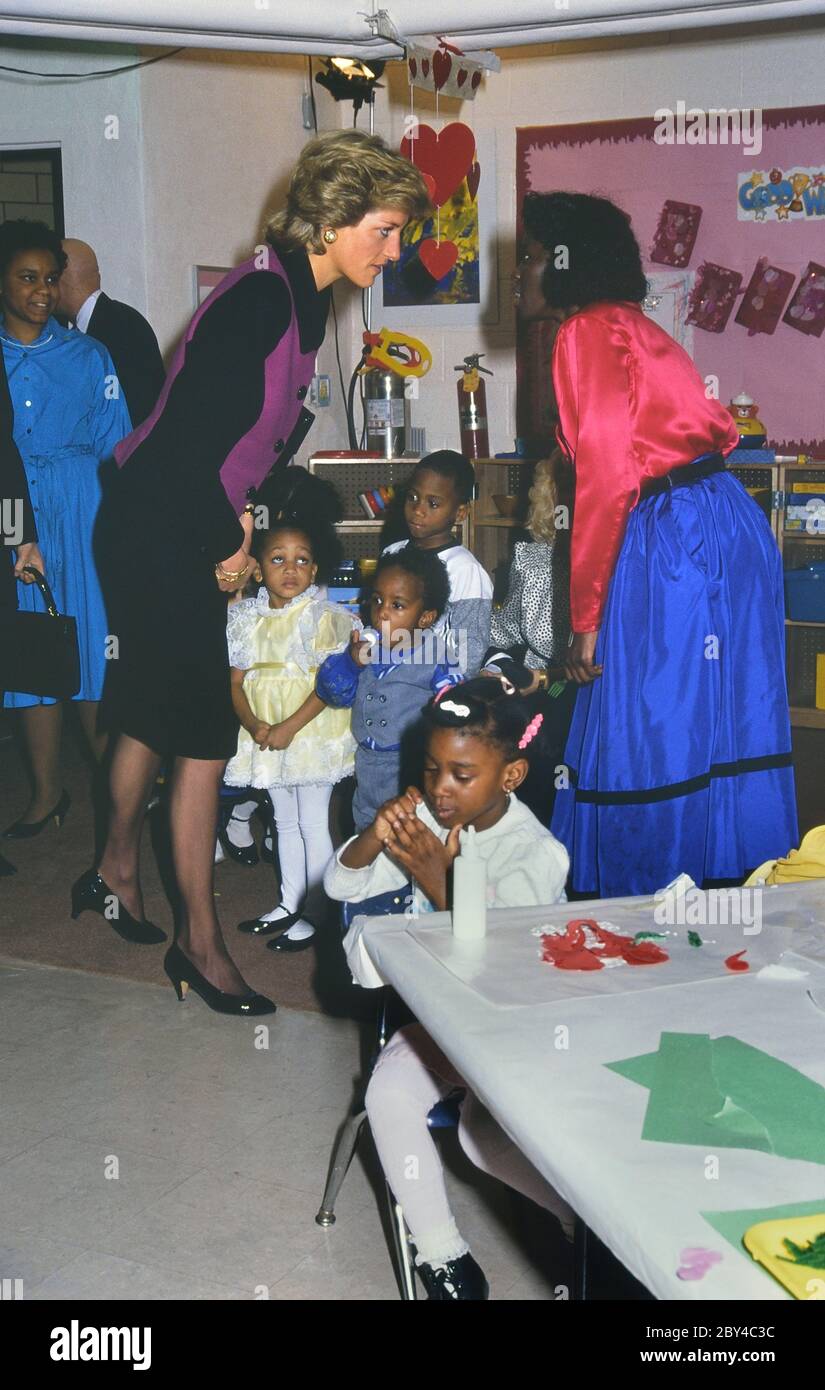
[
  {"x": 457, "y": 1280},
  {"x": 184, "y": 976},
  {"x": 92, "y": 894},
  {"x": 26, "y": 830}
]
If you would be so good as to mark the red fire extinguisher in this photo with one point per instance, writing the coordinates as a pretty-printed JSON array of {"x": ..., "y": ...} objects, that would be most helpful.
[{"x": 472, "y": 408}]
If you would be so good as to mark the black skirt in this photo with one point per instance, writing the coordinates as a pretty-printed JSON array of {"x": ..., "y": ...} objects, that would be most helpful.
[{"x": 168, "y": 682}]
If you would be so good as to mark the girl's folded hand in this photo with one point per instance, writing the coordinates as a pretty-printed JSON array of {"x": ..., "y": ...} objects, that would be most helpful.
[
  {"x": 279, "y": 737},
  {"x": 260, "y": 734},
  {"x": 393, "y": 813}
]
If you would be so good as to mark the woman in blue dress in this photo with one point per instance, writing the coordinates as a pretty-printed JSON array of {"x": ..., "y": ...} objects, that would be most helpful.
[{"x": 68, "y": 416}]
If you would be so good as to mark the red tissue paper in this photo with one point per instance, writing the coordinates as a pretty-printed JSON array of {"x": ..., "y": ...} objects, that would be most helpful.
[{"x": 571, "y": 952}]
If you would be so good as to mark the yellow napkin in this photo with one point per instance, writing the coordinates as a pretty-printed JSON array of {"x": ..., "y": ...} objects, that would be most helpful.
[
  {"x": 807, "y": 862},
  {"x": 766, "y": 1243}
]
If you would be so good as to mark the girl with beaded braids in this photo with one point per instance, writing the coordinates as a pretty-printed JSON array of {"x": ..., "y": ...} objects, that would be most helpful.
[{"x": 477, "y": 742}]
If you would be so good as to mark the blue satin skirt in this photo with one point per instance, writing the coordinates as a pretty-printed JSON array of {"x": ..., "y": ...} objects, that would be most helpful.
[{"x": 679, "y": 755}]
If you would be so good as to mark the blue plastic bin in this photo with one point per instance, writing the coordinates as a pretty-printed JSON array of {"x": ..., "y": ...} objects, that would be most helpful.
[{"x": 805, "y": 594}]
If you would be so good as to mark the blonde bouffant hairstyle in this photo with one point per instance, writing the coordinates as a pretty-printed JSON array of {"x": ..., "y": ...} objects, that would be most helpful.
[
  {"x": 543, "y": 495},
  {"x": 339, "y": 177}
]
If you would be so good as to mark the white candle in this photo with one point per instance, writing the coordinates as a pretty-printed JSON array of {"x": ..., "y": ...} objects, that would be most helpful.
[{"x": 469, "y": 890}]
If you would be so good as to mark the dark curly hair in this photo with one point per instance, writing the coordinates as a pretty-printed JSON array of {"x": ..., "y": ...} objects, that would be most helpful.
[
  {"x": 22, "y": 234},
  {"x": 492, "y": 715},
  {"x": 427, "y": 567},
  {"x": 292, "y": 499},
  {"x": 604, "y": 261},
  {"x": 448, "y": 463}
]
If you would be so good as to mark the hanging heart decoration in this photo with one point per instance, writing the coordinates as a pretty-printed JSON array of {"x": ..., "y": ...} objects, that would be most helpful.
[
  {"x": 461, "y": 76},
  {"x": 442, "y": 67},
  {"x": 413, "y": 66},
  {"x": 475, "y": 80},
  {"x": 446, "y": 156},
  {"x": 474, "y": 178},
  {"x": 425, "y": 67},
  {"x": 438, "y": 257}
]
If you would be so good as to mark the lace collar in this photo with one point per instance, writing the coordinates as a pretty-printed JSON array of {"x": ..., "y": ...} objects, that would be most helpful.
[{"x": 262, "y": 601}]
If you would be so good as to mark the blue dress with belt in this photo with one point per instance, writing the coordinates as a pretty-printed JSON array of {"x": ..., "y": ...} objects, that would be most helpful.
[{"x": 68, "y": 417}]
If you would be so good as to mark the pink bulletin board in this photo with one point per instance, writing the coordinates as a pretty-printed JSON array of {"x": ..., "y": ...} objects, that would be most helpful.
[{"x": 784, "y": 371}]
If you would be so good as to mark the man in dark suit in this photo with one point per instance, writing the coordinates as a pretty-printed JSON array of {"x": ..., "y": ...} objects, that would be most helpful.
[
  {"x": 19, "y": 532},
  {"x": 120, "y": 328}
]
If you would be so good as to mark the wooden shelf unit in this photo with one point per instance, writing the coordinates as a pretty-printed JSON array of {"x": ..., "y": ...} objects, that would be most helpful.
[{"x": 772, "y": 482}]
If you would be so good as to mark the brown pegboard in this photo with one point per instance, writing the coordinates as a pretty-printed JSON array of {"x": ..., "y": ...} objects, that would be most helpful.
[
  {"x": 350, "y": 477},
  {"x": 804, "y": 644}
]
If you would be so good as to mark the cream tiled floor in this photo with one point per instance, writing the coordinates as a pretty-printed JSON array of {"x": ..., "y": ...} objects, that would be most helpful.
[{"x": 220, "y": 1149}]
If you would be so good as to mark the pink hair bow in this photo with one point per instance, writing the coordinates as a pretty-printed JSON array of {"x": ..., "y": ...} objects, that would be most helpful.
[{"x": 531, "y": 730}]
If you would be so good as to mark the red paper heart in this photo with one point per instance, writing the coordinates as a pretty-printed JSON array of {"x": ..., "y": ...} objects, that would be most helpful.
[
  {"x": 413, "y": 67},
  {"x": 430, "y": 182},
  {"x": 475, "y": 79},
  {"x": 425, "y": 66},
  {"x": 474, "y": 178},
  {"x": 438, "y": 257},
  {"x": 446, "y": 155},
  {"x": 735, "y": 962},
  {"x": 442, "y": 66},
  {"x": 461, "y": 77}
]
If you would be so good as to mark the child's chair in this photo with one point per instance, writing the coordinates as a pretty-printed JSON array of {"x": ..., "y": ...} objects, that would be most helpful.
[{"x": 444, "y": 1115}]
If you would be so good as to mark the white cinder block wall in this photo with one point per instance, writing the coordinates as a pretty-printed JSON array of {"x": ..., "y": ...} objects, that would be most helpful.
[
  {"x": 206, "y": 140},
  {"x": 583, "y": 82}
]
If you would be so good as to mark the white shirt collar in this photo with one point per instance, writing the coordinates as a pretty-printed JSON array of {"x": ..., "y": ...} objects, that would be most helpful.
[{"x": 86, "y": 310}]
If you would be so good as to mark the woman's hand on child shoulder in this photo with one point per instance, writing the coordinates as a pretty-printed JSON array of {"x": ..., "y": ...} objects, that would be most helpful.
[{"x": 395, "y": 812}]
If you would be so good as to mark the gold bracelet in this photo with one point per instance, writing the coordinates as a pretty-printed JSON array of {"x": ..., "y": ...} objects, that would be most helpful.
[
  {"x": 230, "y": 576},
  {"x": 543, "y": 681}
]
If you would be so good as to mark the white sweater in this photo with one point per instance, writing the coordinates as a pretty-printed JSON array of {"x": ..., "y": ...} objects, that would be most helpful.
[{"x": 526, "y": 867}]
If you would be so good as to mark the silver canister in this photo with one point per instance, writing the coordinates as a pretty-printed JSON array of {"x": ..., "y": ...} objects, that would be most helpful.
[{"x": 387, "y": 412}]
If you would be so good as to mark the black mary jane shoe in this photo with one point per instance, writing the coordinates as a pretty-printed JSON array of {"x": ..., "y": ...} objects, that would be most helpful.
[
  {"x": 185, "y": 976},
  {"x": 26, "y": 830},
  {"x": 285, "y": 943},
  {"x": 6, "y": 869},
  {"x": 92, "y": 894},
  {"x": 255, "y": 927},
  {"x": 242, "y": 854},
  {"x": 457, "y": 1280}
]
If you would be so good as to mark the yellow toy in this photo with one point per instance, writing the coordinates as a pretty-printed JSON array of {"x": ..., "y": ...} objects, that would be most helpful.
[
  {"x": 397, "y": 352},
  {"x": 752, "y": 433}
]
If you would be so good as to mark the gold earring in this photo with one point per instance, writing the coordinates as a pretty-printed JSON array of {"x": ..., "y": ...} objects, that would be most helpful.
[{"x": 330, "y": 235}]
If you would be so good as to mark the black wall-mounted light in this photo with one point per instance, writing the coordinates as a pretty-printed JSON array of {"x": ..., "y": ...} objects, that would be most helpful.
[{"x": 350, "y": 79}]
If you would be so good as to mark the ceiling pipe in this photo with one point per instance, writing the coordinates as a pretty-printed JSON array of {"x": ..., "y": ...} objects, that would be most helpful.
[{"x": 300, "y": 26}]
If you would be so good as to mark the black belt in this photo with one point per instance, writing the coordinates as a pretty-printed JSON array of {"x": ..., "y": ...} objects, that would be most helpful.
[{"x": 685, "y": 475}]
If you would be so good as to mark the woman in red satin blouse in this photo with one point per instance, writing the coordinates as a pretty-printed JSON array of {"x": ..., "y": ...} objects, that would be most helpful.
[{"x": 679, "y": 752}]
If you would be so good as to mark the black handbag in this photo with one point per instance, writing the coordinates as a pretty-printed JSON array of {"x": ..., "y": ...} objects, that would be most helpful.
[{"x": 38, "y": 651}]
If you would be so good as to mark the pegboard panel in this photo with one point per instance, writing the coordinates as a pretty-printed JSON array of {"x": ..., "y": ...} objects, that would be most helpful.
[
  {"x": 361, "y": 545},
  {"x": 801, "y": 551},
  {"x": 804, "y": 644},
  {"x": 753, "y": 477},
  {"x": 350, "y": 477}
]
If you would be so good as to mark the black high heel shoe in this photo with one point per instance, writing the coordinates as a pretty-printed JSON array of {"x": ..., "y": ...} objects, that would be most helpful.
[
  {"x": 242, "y": 854},
  {"x": 92, "y": 894},
  {"x": 26, "y": 830},
  {"x": 184, "y": 975}
]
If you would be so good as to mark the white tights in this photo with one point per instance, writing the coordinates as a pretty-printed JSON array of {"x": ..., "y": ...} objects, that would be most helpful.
[
  {"x": 410, "y": 1077},
  {"x": 304, "y": 844}
]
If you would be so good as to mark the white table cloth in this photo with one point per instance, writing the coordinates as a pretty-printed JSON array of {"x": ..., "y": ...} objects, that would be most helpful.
[{"x": 532, "y": 1041}]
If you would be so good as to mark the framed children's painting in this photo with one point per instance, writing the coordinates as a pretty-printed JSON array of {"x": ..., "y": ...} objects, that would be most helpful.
[{"x": 447, "y": 276}]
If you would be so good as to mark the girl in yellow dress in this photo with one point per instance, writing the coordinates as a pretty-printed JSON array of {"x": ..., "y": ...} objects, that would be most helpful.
[{"x": 290, "y": 742}]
